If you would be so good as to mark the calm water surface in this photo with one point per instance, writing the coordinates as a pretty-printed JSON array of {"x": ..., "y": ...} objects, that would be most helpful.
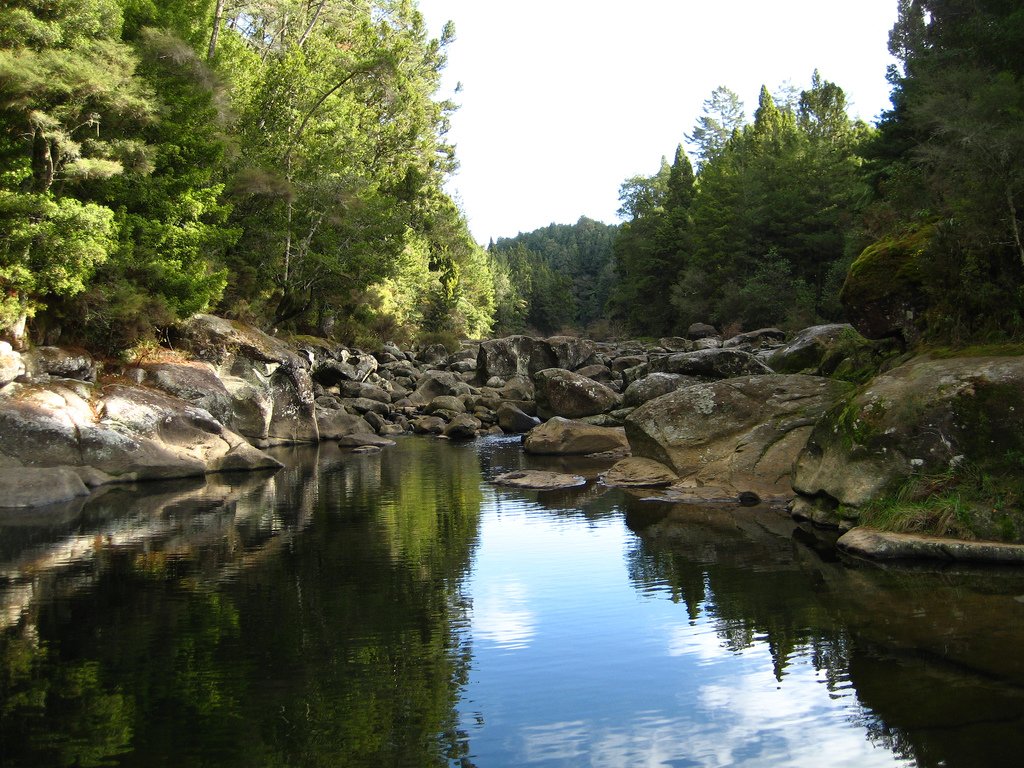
[{"x": 399, "y": 610}]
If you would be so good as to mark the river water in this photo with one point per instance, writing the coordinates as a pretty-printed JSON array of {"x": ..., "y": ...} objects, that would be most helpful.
[{"x": 400, "y": 610}]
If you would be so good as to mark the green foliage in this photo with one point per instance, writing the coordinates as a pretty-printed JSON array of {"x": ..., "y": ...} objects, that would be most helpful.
[
  {"x": 950, "y": 153},
  {"x": 553, "y": 278},
  {"x": 760, "y": 237}
]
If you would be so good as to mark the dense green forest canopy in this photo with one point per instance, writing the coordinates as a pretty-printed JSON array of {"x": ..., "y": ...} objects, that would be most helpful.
[
  {"x": 283, "y": 162},
  {"x": 554, "y": 278}
]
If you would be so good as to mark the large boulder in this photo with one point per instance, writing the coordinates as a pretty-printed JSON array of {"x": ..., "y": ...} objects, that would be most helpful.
[
  {"x": 652, "y": 386},
  {"x": 737, "y": 434},
  {"x": 711, "y": 364},
  {"x": 196, "y": 382},
  {"x": 833, "y": 350},
  {"x": 60, "y": 363},
  {"x": 568, "y": 352},
  {"x": 883, "y": 294},
  {"x": 504, "y": 358},
  {"x": 38, "y": 486},
  {"x": 267, "y": 365},
  {"x": 567, "y": 437},
  {"x": 564, "y": 393},
  {"x": 925, "y": 418},
  {"x": 129, "y": 433},
  {"x": 12, "y": 365}
]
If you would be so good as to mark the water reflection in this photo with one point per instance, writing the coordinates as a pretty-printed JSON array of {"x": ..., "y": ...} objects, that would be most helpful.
[
  {"x": 398, "y": 609},
  {"x": 247, "y": 621}
]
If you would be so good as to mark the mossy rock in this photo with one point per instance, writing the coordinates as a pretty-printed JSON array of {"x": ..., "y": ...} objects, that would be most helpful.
[
  {"x": 883, "y": 294},
  {"x": 937, "y": 441}
]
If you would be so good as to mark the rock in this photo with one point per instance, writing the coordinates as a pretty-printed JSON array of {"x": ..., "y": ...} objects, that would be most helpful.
[
  {"x": 518, "y": 388},
  {"x": 711, "y": 364},
  {"x": 513, "y": 420},
  {"x": 625, "y": 362},
  {"x": 365, "y": 390},
  {"x": 505, "y": 357},
  {"x": 600, "y": 373},
  {"x": 436, "y": 383},
  {"x": 885, "y": 545},
  {"x": 883, "y": 293},
  {"x": 753, "y": 340},
  {"x": 428, "y": 425},
  {"x": 701, "y": 331},
  {"x": 432, "y": 354},
  {"x": 12, "y": 365},
  {"x": 445, "y": 403},
  {"x": 562, "y": 436},
  {"x": 130, "y": 433},
  {"x": 196, "y": 382},
  {"x": 675, "y": 344},
  {"x": 274, "y": 374},
  {"x": 564, "y": 393},
  {"x": 462, "y": 427},
  {"x": 711, "y": 342},
  {"x": 637, "y": 472},
  {"x": 361, "y": 439},
  {"x": 334, "y": 424},
  {"x": 537, "y": 480},
  {"x": 654, "y": 385},
  {"x": 38, "y": 486},
  {"x": 922, "y": 418},
  {"x": 567, "y": 352},
  {"x": 736, "y": 434},
  {"x": 833, "y": 350},
  {"x": 60, "y": 363}
]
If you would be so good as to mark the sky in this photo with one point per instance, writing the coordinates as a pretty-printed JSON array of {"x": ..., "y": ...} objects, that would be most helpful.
[{"x": 563, "y": 100}]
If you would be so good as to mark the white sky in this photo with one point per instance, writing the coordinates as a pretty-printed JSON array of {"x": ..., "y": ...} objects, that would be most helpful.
[{"x": 563, "y": 100}]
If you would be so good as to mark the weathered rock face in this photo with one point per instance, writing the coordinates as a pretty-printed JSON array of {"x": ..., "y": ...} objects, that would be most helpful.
[
  {"x": 833, "y": 350},
  {"x": 335, "y": 424},
  {"x": 568, "y": 352},
  {"x": 505, "y": 357},
  {"x": 923, "y": 417},
  {"x": 701, "y": 331},
  {"x": 564, "y": 393},
  {"x": 564, "y": 436},
  {"x": 762, "y": 338},
  {"x": 279, "y": 376},
  {"x": 539, "y": 480},
  {"x": 711, "y": 364},
  {"x": 129, "y": 433},
  {"x": 652, "y": 386},
  {"x": 60, "y": 363},
  {"x": 197, "y": 383},
  {"x": 736, "y": 434}
]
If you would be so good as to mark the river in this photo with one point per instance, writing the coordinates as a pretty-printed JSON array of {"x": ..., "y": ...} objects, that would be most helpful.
[{"x": 398, "y": 609}]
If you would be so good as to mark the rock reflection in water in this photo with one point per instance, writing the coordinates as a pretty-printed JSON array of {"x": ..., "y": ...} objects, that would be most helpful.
[
  {"x": 310, "y": 618},
  {"x": 932, "y": 657}
]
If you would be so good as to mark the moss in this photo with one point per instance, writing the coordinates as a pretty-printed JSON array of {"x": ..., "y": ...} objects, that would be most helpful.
[{"x": 883, "y": 267}]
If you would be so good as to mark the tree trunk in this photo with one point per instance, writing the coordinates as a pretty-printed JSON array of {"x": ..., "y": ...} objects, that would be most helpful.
[
  {"x": 218, "y": 14},
  {"x": 1014, "y": 225}
]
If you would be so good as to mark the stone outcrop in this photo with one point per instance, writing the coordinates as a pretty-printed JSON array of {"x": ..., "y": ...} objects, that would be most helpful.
[
  {"x": 885, "y": 545},
  {"x": 735, "y": 434},
  {"x": 922, "y": 418},
  {"x": 833, "y": 350},
  {"x": 711, "y": 364},
  {"x": 539, "y": 480},
  {"x": 638, "y": 472},
  {"x": 126, "y": 433}
]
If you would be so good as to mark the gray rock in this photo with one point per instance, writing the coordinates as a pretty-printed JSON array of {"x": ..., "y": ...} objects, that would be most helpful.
[
  {"x": 11, "y": 364},
  {"x": 445, "y": 403},
  {"x": 675, "y": 344},
  {"x": 924, "y": 418},
  {"x": 462, "y": 427},
  {"x": 711, "y": 364},
  {"x": 701, "y": 331},
  {"x": 513, "y": 420},
  {"x": 567, "y": 352},
  {"x": 60, "y": 363},
  {"x": 505, "y": 357},
  {"x": 38, "y": 486},
  {"x": 565, "y": 437},
  {"x": 360, "y": 439},
  {"x": 637, "y": 472},
  {"x": 654, "y": 385},
  {"x": 736, "y": 434},
  {"x": 753, "y": 340},
  {"x": 564, "y": 393},
  {"x": 538, "y": 480},
  {"x": 885, "y": 545},
  {"x": 429, "y": 425},
  {"x": 334, "y": 424}
]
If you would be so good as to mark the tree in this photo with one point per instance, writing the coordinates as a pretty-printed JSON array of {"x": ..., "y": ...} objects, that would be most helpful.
[{"x": 723, "y": 114}]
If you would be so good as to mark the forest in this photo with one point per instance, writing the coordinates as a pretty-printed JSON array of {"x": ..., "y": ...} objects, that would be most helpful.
[{"x": 283, "y": 163}]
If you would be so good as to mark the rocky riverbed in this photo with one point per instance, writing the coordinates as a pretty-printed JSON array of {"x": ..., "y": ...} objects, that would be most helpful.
[{"x": 826, "y": 422}]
